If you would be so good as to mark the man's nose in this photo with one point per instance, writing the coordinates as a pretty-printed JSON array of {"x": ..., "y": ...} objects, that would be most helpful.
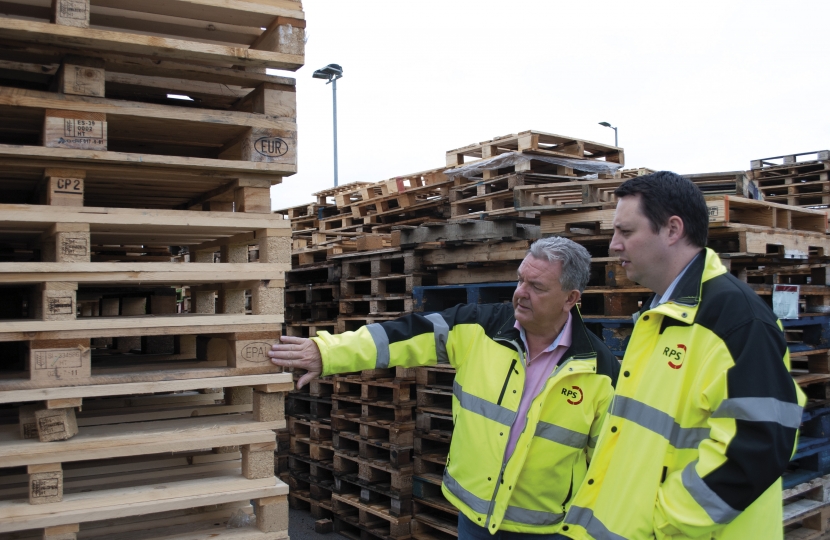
[{"x": 615, "y": 246}]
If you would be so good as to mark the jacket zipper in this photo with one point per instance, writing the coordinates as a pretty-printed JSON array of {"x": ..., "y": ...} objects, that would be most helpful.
[{"x": 506, "y": 380}]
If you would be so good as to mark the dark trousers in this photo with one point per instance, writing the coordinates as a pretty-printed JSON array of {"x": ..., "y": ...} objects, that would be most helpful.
[{"x": 467, "y": 530}]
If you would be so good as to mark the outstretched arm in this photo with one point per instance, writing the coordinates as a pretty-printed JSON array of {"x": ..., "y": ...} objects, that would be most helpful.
[{"x": 297, "y": 352}]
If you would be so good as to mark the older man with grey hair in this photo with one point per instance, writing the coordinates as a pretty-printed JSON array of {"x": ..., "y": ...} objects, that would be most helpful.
[{"x": 532, "y": 387}]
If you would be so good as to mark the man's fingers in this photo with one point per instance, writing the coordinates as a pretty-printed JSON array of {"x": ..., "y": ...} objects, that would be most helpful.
[
  {"x": 307, "y": 378},
  {"x": 293, "y": 339}
]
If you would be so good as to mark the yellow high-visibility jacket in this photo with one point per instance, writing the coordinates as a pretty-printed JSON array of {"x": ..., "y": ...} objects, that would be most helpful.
[
  {"x": 532, "y": 491},
  {"x": 703, "y": 423}
]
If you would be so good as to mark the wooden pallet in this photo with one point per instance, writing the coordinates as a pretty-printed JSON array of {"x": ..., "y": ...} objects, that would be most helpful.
[
  {"x": 228, "y": 34},
  {"x": 377, "y": 430},
  {"x": 397, "y": 194},
  {"x": 161, "y": 497},
  {"x": 539, "y": 143},
  {"x": 309, "y": 407},
  {"x": 310, "y": 430},
  {"x": 187, "y": 524},
  {"x": 372, "y": 449},
  {"x": 723, "y": 212},
  {"x": 434, "y": 517},
  {"x": 328, "y": 196},
  {"x": 772, "y": 163},
  {"x": 374, "y": 517},
  {"x": 806, "y": 510}
]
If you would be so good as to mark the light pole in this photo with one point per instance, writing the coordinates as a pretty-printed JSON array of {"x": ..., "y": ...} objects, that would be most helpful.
[
  {"x": 606, "y": 124},
  {"x": 331, "y": 73}
]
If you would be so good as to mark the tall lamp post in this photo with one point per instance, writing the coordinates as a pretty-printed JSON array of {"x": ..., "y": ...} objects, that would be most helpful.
[
  {"x": 331, "y": 73},
  {"x": 606, "y": 124}
]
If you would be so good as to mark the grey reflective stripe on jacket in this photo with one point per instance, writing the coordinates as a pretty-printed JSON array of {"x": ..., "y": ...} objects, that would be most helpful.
[
  {"x": 585, "y": 518},
  {"x": 381, "y": 344},
  {"x": 441, "y": 330},
  {"x": 760, "y": 409},
  {"x": 717, "y": 508},
  {"x": 658, "y": 422},
  {"x": 561, "y": 435},
  {"x": 476, "y": 503},
  {"x": 477, "y": 405},
  {"x": 532, "y": 517}
]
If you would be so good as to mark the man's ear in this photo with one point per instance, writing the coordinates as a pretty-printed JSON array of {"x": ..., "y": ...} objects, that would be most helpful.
[
  {"x": 676, "y": 229},
  {"x": 573, "y": 298}
]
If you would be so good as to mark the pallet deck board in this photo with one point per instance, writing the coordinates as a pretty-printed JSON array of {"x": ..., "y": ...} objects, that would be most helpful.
[
  {"x": 139, "y": 325},
  {"x": 82, "y": 39},
  {"x": 122, "y": 440},
  {"x": 122, "y": 385},
  {"x": 107, "y": 504}
]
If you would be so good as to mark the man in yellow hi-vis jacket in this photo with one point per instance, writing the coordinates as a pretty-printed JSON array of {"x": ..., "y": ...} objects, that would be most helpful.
[
  {"x": 532, "y": 386},
  {"x": 705, "y": 415}
]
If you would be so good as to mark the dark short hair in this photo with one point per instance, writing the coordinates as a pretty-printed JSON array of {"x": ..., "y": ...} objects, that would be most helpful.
[{"x": 665, "y": 194}]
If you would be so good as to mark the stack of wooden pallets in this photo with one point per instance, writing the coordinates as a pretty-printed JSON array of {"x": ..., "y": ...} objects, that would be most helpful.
[
  {"x": 433, "y": 515},
  {"x": 795, "y": 179},
  {"x": 518, "y": 160},
  {"x": 142, "y": 271},
  {"x": 373, "y": 422},
  {"x": 311, "y": 455}
]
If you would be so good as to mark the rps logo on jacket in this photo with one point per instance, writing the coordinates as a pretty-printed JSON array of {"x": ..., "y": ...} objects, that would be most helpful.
[
  {"x": 676, "y": 355},
  {"x": 574, "y": 395}
]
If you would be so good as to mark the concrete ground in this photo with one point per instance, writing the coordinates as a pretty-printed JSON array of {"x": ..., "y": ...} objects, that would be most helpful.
[{"x": 301, "y": 527}]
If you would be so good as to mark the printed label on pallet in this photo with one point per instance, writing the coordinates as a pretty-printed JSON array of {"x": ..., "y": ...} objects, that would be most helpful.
[
  {"x": 57, "y": 364},
  {"x": 271, "y": 146},
  {"x": 75, "y": 246},
  {"x": 51, "y": 425},
  {"x": 46, "y": 487},
  {"x": 74, "y": 129},
  {"x": 256, "y": 352},
  {"x": 73, "y": 9},
  {"x": 60, "y": 305}
]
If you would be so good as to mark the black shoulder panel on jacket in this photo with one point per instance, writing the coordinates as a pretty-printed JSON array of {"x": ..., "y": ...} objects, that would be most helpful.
[
  {"x": 607, "y": 363},
  {"x": 749, "y": 329},
  {"x": 492, "y": 317},
  {"x": 759, "y": 452}
]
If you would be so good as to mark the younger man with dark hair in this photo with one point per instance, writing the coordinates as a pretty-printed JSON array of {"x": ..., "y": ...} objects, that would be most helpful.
[{"x": 705, "y": 415}]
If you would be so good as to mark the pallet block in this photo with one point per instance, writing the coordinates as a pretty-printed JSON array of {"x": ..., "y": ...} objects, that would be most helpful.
[
  {"x": 45, "y": 483},
  {"x": 56, "y": 424},
  {"x": 272, "y": 513},
  {"x": 258, "y": 460},
  {"x": 63, "y": 187}
]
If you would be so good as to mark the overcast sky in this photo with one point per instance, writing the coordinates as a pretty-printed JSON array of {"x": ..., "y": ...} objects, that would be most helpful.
[{"x": 693, "y": 87}]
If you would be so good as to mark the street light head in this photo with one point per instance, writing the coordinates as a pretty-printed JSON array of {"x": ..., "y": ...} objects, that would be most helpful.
[
  {"x": 606, "y": 124},
  {"x": 331, "y": 71}
]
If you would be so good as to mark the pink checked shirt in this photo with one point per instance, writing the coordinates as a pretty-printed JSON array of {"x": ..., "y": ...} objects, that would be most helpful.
[{"x": 537, "y": 372}]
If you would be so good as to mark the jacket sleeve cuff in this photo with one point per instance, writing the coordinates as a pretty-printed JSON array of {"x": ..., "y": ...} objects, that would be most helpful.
[{"x": 343, "y": 353}]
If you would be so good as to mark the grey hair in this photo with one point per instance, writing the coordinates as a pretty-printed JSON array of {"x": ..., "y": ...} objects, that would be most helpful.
[{"x": 576, "y": 261}]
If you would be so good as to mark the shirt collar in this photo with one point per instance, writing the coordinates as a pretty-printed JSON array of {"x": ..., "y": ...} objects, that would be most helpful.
[
  {"x": 563, "y": 339},
  {"x": 658, "y": 299}
]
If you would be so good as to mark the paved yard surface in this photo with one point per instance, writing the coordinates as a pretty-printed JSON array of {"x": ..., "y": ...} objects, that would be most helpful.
[{"x": 301, "y": 527}]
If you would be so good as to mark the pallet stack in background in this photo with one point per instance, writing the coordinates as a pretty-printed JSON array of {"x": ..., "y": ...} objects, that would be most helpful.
[
  {"x": 466, "y": 235},
  {"x": 141, "y": 268}
]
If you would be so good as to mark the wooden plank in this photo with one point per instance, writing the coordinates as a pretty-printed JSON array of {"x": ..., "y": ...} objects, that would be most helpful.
[
  {"x": 240, "y": 12},
  {"x": 128, "y": 218},
  {"x": 123, "y": 440},
  {"x": 123, "y": 42},
  {"x": 143, "y": 273},
  {"x": 114, "y": 387},
  {"x": 64, "y": 103},
  {"x": 73, "y": 158},
  {"x": 108, "y": 504},
  {"x": 22, "y": 330}
]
